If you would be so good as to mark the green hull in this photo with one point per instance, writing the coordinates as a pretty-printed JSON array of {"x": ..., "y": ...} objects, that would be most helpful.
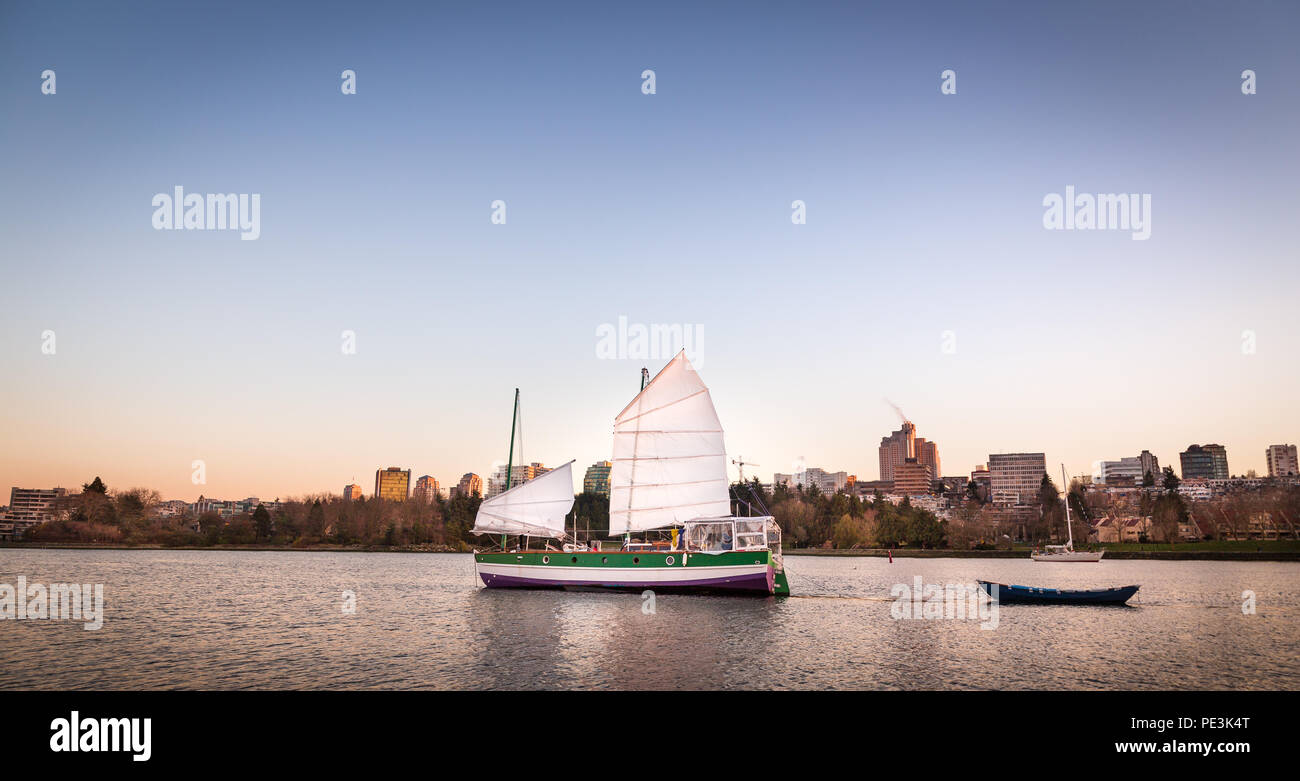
[
  {"x": 735, "y": 571},
  {"x": 782, "y": 585}
]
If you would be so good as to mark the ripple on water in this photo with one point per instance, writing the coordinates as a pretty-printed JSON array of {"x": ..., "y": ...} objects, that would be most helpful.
[{"x": 275, "y": 620}]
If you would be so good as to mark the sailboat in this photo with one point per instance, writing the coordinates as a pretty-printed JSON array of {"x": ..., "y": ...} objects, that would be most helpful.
[
  {"x": 1066, "y": 552},
  {"x": 669, "y": 486}
]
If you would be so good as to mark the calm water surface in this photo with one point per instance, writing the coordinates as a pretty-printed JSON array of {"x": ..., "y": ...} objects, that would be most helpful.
[{"x": 259, "y": 620}]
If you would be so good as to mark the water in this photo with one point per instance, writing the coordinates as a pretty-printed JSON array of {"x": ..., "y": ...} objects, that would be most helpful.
[{"x": 259, "y": 620}]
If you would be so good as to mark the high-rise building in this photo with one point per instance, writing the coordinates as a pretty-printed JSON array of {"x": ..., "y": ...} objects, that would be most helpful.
[
  {"x": 1209, "y": 462},
  {"x": 519, "y": 473},
  {"x": 596, "y": 480},
  {"x": 470, "y": 485},
  {"x": 825, "y": 482},
  {"x": 427, "y": 488},
  {"x": 393, "y": 483},
  {"x": 351, "y": 493},
  {"x": 928, "y": 453},
  {"x": 903, "y": 444},
  {"x": 1014, "y": 478},
  {"x": 1150, "y": 464},
  {"x": 29, "y": 507},
  {"x": 1126, "y": 470},
  {"x": 1281, "y": 460},
  {"x": 913, "y": 478},
  {"x": 896, "y": 448}
]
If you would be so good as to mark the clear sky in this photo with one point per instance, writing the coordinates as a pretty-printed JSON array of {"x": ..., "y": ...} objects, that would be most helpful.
[{"x": 924, "y": 215}]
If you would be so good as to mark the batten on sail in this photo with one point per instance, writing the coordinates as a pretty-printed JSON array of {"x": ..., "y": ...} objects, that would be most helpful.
[
  {"x": 536, "y": 508},
  {"x": 669, "y": 463}
]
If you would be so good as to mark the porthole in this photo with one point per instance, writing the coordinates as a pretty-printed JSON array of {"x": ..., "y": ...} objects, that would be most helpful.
[
  {"x": 604, "y": 559},
  {"x": 546, "y": 559},
  {"x": 669, "y": 561},
  {"x": 636, "y": 559},
  {"x": 574, "y": 559}
]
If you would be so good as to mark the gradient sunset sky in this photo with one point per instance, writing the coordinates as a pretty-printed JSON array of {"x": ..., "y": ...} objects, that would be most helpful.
[{"x": 924, "y": 214}]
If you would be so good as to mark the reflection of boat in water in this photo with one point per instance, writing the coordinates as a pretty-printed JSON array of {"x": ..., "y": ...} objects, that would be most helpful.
[
  {"x": 1066, "y": 552},
  {"x": 1003, "y": 593},
  {"x": 669, "y": 478}
]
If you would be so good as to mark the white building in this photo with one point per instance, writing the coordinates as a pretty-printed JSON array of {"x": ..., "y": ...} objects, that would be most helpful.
[
  {"x": 1281, "y": 460},
  {"x": 29, "y": 507},
  {"x": 826, "y": 482},
  {"x": 519, "y": 473},
  {"x": 1124, "y": 468}
]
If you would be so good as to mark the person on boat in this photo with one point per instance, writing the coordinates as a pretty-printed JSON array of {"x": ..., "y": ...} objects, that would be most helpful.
[{"x": 726, "y": 538}]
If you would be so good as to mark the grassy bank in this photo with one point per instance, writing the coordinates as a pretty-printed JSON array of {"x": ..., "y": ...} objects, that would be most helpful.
[
  {"x": 278, "y": 548},
  {"x": 1269, "y": 550},
  {"x": 1265, "y": 550}
]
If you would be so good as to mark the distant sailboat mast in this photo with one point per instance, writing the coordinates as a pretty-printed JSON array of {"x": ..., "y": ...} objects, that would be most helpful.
[{"x": 1069, "y": 527}]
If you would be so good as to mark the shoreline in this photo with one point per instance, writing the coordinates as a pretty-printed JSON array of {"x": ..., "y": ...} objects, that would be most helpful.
[
  {"x": 916, "y": 553},
  {"x": 1166, "y": 555}
]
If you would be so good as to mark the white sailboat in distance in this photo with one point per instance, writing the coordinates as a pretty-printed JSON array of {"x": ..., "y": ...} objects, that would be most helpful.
[{"x": 1066, "y": 552}]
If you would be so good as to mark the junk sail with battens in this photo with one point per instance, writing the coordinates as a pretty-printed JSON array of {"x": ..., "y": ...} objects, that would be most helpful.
[
  {"x": 670, "y": 465},
  {"x": 535, "y": 508}
]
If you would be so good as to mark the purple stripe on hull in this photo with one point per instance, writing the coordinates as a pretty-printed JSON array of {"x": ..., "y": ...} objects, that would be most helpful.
[{"x": 763, "y": 582}]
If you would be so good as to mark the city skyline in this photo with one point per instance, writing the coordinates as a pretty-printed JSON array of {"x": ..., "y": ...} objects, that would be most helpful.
[
  {"x": 1284, "y": 453},
  {"x": 170, "y": 347}
]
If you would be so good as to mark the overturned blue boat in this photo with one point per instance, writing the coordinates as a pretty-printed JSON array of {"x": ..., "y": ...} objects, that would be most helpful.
[{"x": 1005, "y": 594}]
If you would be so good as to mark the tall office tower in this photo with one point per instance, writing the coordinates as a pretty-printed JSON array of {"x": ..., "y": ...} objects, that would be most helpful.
[
  {"x": 1204, "y": 463},
  {"x": 393, "y": 484},
  {"x": 1014, "y": 478},
  {"x": 927, "y": 453},
  {"x": 351, "y": 493},
  {"x": 897, "y": 448},
  {"x": 596, "y": 480}
]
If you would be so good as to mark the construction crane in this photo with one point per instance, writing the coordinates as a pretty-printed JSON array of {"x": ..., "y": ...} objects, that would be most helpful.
[{"x": 740, "y": 465}]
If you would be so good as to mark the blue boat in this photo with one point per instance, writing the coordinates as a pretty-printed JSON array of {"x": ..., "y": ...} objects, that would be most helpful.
[{"x": 1005, "y": 594}]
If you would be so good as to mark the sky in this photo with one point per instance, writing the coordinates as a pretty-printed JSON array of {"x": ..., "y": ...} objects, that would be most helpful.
[{"x": 923, "y": 274}]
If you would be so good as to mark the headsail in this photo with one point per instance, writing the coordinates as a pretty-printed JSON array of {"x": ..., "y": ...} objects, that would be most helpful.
[
  {"x": 670, "y": 465},
  {"x": 535, "y": 508}
]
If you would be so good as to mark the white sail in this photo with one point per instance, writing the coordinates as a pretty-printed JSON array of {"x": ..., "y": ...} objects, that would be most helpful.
[
  {"x": 536, "y": 508},
  {"x": 670, "y": 465}
]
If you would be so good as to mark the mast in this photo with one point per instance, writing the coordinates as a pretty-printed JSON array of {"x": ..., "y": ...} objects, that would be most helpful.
[
  {"x": 645, "y": 380},
  {"x": 510, "y": 458},
  {"x": 1069, "y": 530}
]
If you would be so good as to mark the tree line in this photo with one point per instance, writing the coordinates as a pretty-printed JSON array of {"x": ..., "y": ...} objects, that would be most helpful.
[{"x": 130, "y": 517}]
